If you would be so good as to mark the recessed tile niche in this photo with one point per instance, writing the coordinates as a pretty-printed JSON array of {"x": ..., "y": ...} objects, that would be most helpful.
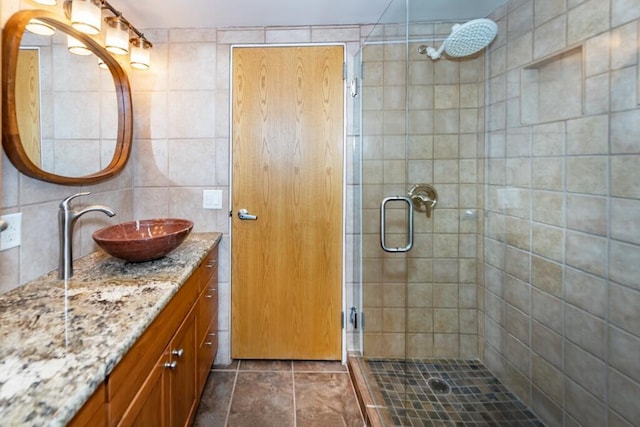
[{"x": 552, "y": 88}]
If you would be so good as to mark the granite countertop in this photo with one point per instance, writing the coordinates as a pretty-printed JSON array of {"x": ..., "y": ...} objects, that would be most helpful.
[{"x": 59, "y": 341}]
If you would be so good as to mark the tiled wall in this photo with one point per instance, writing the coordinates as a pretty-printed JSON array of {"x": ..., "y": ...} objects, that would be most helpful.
[
  {"x": 181, "y": 147},
  {"x": 562, "y": 241},
  {"x": 421, "y": 121}
]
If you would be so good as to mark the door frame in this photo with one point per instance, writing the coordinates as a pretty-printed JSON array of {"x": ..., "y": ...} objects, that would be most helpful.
[{"x": 344, "y": 174}]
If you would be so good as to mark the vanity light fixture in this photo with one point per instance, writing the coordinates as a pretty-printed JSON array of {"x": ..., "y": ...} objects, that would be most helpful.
[
  {"x": 117, "y": 35},
  {"x": 47, "y": 2},
  {"x": 140, "y": 57},
  {"x": 76, "y": 47},
  {"x": 36, "y": 26},
  {"x": 86, "y": 16}
]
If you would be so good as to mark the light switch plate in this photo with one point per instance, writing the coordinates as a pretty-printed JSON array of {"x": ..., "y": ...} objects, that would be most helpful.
[
  {"x": 212, "y": 199},
  {"x": 12, "y": 236}
]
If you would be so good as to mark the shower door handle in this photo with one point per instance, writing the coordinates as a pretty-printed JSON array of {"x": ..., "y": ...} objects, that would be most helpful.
[{"x": 383, "y": 225}]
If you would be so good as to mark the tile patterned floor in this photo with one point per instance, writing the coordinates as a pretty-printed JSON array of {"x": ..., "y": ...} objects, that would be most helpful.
[
  {"x": 474, "y": 398},
  {"x": 279, "y": 393}
]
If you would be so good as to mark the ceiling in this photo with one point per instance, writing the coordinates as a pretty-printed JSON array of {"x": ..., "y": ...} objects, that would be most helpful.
[{"x": 247, "y": 13}]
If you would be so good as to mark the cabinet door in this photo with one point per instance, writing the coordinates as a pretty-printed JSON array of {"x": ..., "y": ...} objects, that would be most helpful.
[
  {"x": 182, "y": 374},
  {"x": 149, "y": 407}
]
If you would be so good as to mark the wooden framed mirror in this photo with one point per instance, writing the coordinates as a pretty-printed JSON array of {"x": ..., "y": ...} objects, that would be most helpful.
[{"x": 109, "y": 161}]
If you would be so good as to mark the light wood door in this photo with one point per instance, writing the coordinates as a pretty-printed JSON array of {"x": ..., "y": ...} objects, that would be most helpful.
[{"x": 287, "y": 115}]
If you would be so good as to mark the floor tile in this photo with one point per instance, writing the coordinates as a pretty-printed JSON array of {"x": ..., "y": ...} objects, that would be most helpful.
[
  {"x": 312, "y": 366},
  {"x": 325, "y": 399},
  {"x": 265, "y": 365},
  {"x": 216, "y": 396},
  {"x": 262, "y": 399}
]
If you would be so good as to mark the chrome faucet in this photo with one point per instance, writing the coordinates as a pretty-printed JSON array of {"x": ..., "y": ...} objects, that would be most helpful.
[{"x": 67, "y": 217}]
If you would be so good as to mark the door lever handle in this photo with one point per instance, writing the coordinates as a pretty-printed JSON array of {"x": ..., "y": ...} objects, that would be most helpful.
[{"x": 245, "y": 215}]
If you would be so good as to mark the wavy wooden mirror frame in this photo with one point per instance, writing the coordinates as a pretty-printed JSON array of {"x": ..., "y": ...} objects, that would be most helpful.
[{"x": 11, "y": 141}]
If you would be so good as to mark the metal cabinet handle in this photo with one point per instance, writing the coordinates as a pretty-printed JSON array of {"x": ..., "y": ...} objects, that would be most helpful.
[
  {"x": 210, "y": 343},
  {"x": 383, "y": 226},
  {"x": 171, "y": 365},
  {"x": 245, "y": 215},
  {"x": 178, "y": 353}
]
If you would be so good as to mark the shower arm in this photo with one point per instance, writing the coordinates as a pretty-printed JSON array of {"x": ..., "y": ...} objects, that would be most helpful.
[{"x": 433, "y": 53}]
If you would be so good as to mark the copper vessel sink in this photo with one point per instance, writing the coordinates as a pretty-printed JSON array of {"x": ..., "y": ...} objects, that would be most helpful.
[{"x": 143, "y": 240}]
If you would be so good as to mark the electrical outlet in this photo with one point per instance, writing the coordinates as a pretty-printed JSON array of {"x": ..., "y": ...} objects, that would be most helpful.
[{"x": 12, "y": 236}]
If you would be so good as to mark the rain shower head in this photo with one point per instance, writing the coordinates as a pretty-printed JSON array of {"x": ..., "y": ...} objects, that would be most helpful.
[{"x": 465, "y": 39}]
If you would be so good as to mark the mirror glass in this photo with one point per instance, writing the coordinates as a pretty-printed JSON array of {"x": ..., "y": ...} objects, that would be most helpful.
[
  {"x": 66, "y": 107},
  {"x": 65, "y": 119}
]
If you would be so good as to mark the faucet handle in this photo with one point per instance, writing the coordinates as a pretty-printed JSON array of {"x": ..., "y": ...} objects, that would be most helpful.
[{"x": 65, "y": 203}]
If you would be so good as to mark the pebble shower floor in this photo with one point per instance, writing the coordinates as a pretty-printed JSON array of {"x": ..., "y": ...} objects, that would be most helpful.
[{"x": 474, "y": 397}]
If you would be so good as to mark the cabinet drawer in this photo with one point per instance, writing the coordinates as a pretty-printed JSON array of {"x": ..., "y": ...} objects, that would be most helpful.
[
  {"x": 209, "y": 267},
  {"x": 207, "y": 354},
  {"x": 207, "y": 310}
]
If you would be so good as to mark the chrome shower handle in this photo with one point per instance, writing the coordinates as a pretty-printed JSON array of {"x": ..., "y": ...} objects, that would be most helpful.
[
  {"x": 424, "y": 198},
  {"x": 383, "y": 226}
]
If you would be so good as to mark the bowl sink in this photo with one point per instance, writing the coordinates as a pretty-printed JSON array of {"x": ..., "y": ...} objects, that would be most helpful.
[{"x": 143, "y": 240}]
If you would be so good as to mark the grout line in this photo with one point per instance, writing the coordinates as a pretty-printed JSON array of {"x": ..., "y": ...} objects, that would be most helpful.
[
  {"x": 293, "y": 395},
  {"x": 233, "y": 392}
]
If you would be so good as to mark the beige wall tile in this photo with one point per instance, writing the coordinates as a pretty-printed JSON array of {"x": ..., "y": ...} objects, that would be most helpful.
[
  {"x": 547, "y": 409},
  {"x": 624, "y": 46},
  {"x": 550, "y": 37},
  {"x": 548, "y": 9},
  {"x": 624, "y": 88},
  {"x": 547, "y": 378},
  {"x": 588, "y": 19},
  {"x": 624, "y": 11},
  {"x": 586, "y": 252},
  {"x": 548, "y": 242},
  {"x": 623, "y": 308},
  {"x": 549, "y": 139},
  {"x": 446, "y": 345},
  {"x": 548, "y": 173},
  {"x": 517, "y": 324},
  {"x": 588, "y": 174},
  {"x": 597, "y": 94},
  {"x": 585, "y": 330},
  {"x": 547, "y": 276},
  {"x": 587, "y": 213},
  {"x": 547, "y": 310},
  {"x": 623, "y": 395},
  {"x": 623, "y": 352},
  {"x": 589, "y": 135},
  {"x": 586, "y": 291},
  {"x": 624, "y": 126},
  {"x": 624, "y": 224},
  {"x": 548, "y": 207},
  {"x": 585, "y": 408},
  {"x": 547, "y": 344},
  {"x": 586, "y": 370},
  {"x": 597, "y": 54}
]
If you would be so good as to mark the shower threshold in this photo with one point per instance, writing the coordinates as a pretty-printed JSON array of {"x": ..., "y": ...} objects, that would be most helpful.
[{"x": 435, "y": 392}]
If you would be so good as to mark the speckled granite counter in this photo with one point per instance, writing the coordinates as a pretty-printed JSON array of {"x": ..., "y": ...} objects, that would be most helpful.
[{"x": 58, "y": 343}]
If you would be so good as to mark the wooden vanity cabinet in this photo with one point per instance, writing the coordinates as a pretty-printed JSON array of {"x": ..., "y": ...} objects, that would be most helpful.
[
  {"x": 93, "y": 412},
  {"x": 159, "y": 381}
]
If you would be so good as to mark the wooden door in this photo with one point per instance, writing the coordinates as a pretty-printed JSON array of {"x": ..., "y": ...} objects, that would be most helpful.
[{"x": 287, "y": 142}]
